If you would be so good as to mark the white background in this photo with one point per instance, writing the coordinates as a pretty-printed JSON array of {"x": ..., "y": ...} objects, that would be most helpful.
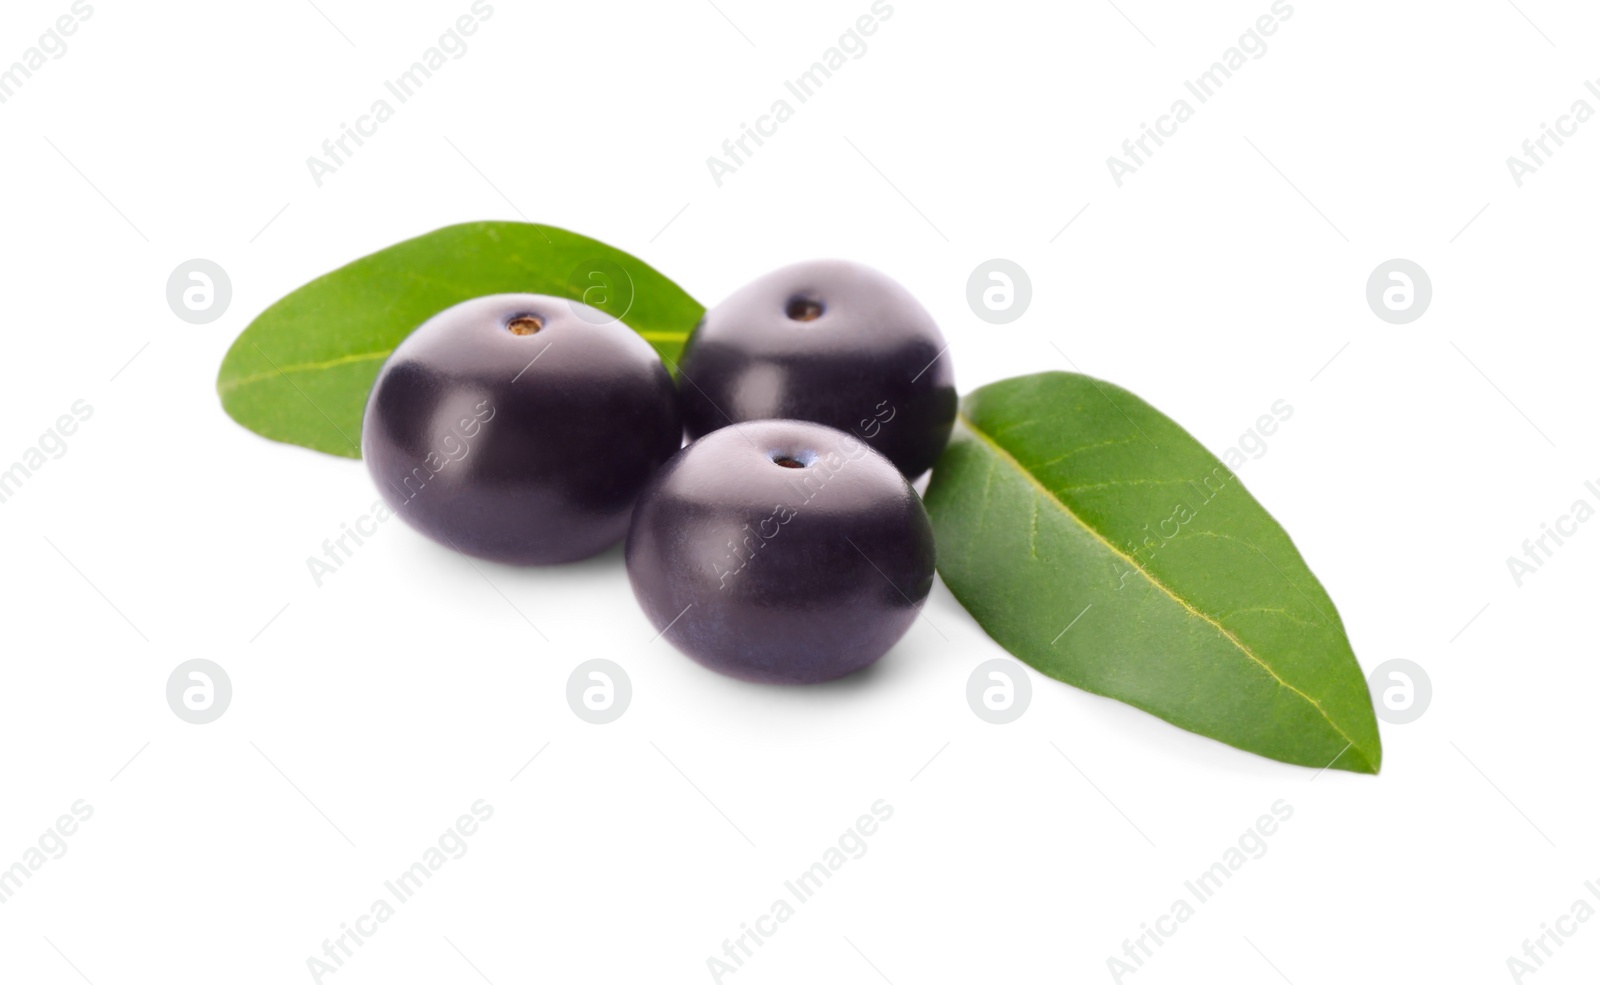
[{"x": 372, "y": 711}]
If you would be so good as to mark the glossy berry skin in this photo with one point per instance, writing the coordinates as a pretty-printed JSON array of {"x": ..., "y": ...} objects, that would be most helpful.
[
  {"x": 520, "y": 428},
  {"x": 826, "y": 341},
  {"x": 781, "y": 552}
]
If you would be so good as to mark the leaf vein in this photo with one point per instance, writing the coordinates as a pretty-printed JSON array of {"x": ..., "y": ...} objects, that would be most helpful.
[
  {"x": 1123, "y": 482},
  {"x": 311, "y": 367},
  {"x": 1001, "y": 454},
  {"x": 1185, "y": 535},
  {"x": 1084, "y": 448},
  {"x": 1262, "y": 608}
]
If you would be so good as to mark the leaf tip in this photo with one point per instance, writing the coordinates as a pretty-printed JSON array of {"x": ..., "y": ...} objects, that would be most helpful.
[{"x": 1355, "y": 759}]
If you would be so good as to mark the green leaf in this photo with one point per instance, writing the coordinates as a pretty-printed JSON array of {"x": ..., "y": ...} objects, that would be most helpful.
[
  {"x": 1097, "y": 541},
  {"x": 301, "y": 371}
]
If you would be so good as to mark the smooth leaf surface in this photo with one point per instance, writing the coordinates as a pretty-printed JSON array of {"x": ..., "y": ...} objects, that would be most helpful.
[
  {"x": 1097, "y": 541},
  {"x": 301, "y": 371}
]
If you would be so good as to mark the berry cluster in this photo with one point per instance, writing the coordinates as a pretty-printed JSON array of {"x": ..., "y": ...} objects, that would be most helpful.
[{"x": 784, "y": 543}]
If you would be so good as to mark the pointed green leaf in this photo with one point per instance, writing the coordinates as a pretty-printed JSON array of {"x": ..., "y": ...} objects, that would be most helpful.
[
  {"x": 1097, "y": 541},
  {"x": 301, "y": 371}
]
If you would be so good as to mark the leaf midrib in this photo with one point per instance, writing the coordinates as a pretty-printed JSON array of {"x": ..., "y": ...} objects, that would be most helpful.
[
  {"x": 268, "y": 374},
  {"x": 1227, "y": 634}
]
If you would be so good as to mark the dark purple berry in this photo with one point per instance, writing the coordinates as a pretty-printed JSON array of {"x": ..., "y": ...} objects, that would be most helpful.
[
  {"x": 520, "y": 428},
  {"x": 781, "y": 551},
  {"x": 826, "y": 341}
]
